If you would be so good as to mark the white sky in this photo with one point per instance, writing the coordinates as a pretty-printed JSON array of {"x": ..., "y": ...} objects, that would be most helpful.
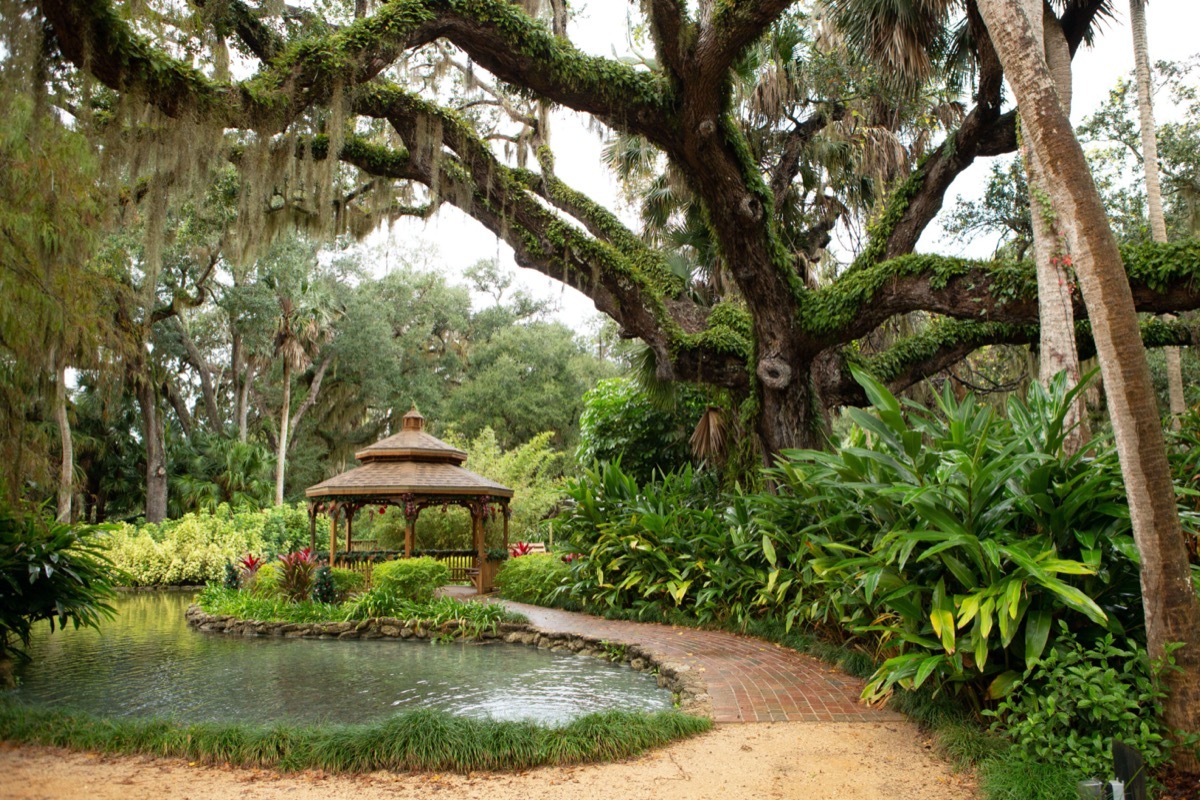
[{"x": 455, "y": 241}]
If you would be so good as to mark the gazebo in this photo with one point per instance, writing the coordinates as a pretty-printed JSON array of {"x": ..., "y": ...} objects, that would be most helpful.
[{"x": 413, "y": 471}]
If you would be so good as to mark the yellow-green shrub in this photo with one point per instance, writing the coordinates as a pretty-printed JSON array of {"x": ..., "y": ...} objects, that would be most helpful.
[
  {"x": 411, "y": 578},
  {"x": 195, "y": 548}
]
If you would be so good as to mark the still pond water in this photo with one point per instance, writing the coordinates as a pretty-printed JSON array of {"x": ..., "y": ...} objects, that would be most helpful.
[{"x": 148, "y": 662}]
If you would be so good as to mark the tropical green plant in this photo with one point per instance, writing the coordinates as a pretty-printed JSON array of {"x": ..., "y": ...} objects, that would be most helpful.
[
  {"x": 955, "y": 538},
  {"x": 537, "y": 578},
  {"x": 665, "y": 544},
  {"x": 621, "y": 423},
  {"x": 49, "y": 570},
  {"x": 346, "y": 582},
  {"x": 414, "y": 579},
  {"x": 1068, "y": 706}
]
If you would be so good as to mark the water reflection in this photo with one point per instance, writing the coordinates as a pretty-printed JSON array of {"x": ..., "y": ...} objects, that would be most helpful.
[{"x": 147, "y": 662}]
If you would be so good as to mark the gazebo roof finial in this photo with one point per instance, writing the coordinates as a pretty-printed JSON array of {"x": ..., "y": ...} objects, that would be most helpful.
[{"x": 413, "y": 421}]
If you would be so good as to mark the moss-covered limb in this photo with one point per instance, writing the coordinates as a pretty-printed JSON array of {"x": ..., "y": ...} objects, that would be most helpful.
[
  {"x": 497, "y": 34},
  {"x": 915, "y": 358},
  {"x": 627, "y": 280},
  {"x": 673, "y": 32},
  {"x": 94, "y": 37},
  {"x": 1164, "y": 278},
  {"x": 235, "y": 16},
  {"x": 734, "y": 26}
]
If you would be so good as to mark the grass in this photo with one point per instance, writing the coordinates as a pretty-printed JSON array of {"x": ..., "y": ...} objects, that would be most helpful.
[
  {"x": 472, "y": 618},
  {"x": 414, "y": 741}
]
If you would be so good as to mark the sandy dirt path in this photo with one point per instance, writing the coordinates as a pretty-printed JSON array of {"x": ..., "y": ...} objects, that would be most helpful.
[{"x": 764, "y": 761}]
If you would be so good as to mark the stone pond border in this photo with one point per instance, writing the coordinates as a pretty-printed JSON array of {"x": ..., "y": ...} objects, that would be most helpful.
[{"x": 688, "y": 688}]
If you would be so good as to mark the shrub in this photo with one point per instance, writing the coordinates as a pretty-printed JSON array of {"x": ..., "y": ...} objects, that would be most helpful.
[
  {"x": 323, "y": 588},
  {"x": 535, "y": 578},
  {"x": 195, "y": 548},
  {"x": 1068, "y": 706},
  {"x": 346, "y": 582},
  {"x": 621, "y": 423},
  {"x": 411, "y": 578},
  {"x": 296, "y": 575},
  {"x": 51, "y": 571},
  {"x": 266, "y": 583}
]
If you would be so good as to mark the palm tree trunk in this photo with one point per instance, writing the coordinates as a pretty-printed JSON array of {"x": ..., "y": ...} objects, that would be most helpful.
[
  {"x": 66, "y": 475},
  {"x": 1052, "y": 239},
  {"x": 281, "y": 459},
  {"x": 1154, "y": 204},
  {"x": 1172, "y": 611}
]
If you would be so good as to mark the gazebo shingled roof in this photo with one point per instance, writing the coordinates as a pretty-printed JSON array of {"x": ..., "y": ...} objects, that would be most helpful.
[{"x": 413, "y": 470}]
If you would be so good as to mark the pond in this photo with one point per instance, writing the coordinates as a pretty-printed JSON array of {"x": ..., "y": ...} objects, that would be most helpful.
[{"x": 148, "y": 662}]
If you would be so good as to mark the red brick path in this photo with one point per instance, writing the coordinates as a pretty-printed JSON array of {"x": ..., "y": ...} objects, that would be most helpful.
[{"x": 749, "y": 680}]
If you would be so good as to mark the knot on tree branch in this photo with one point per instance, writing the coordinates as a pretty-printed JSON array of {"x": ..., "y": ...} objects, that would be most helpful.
[
  {"x": 707, "y": 128},
  {"x": 750, "y": 208},
  {"x": 774, "y": 373}
]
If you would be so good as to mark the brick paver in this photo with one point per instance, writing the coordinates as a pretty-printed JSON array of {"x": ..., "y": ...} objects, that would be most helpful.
[{"x": 749, "y": 679}]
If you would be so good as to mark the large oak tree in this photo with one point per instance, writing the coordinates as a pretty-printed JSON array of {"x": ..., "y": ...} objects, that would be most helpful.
[{"x": 320, "y": 89}]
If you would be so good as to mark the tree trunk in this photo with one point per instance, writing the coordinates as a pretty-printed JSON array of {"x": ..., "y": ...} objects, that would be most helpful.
[
  {"x": 1154, "y": 205},
  {"x": 1172, "y": 611},
  {"x": 197, "y": 360},
  {"x": 314, "y": 391},
  {"x": 66, "y": 474},
  {"x": 1051, "y": 238},
  {"x": 156, "y": 457},
  {"x": 281, "y": 458}
]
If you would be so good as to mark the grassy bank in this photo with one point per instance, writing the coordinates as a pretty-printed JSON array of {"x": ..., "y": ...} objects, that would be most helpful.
[{"x": 418, "y": 740}]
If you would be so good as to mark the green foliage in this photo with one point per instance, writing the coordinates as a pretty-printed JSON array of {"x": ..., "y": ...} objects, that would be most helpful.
[
  {"x": 233, "y": 577},
  {"x": 662, "y": 545},
  {"x": 345, "y": 583},
  {"x": 419, "y": 740},
  {"x": 221, "y": 470},
  {"x": 537, "y": 578},
  {"x": 216, "y": 599},
  {"x": 620, "y": 423},
  {"x": 1016, "y": 776},
  {"x": 266, "y": 582},
  {"x": 1069, "y": 705},
  {"x": 195, "y": 548},
  {"x": 51, "y": 571},
  {"x": 954, "y": 539},
  {"x": 413, "y": 579}
]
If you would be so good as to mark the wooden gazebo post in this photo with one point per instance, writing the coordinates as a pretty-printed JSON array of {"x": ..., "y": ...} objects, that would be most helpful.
[
  {"x": 312, "y": 526},
  {"x": 480, "y": 552},
  {"x": 333, "y": 512},
  {"x": 507, "y": 514},
  {"x": 349, "y": 529}
]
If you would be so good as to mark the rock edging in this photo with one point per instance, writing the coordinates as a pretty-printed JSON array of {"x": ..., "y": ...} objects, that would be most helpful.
[{"x": 688, "y": 688}]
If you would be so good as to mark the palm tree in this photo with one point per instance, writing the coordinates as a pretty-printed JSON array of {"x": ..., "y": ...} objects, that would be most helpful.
[
  {"x": 301, "y": 328},
  {"x": 1172, "y": 611},
  {"x": 1158, "y": 220}
]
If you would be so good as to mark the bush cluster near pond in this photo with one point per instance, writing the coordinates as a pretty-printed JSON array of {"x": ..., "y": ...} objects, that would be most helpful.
[
  {"x": 468, "y": 618},
  {"x": 419, "y": 740}
]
